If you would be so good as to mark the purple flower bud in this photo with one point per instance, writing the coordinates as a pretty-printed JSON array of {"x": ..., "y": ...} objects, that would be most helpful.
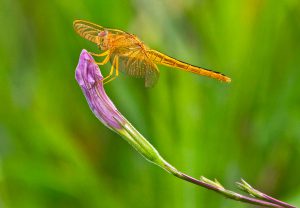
[{"x": 89, "y": 78}]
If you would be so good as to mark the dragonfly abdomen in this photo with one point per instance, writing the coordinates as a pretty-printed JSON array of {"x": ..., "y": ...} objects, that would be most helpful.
[{"x": 160, "y": 58}]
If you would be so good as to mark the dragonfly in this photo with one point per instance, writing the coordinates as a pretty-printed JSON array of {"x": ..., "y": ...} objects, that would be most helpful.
[{"x": 128, "y": 54}]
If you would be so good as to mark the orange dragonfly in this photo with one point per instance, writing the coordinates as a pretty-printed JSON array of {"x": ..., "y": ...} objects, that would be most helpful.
[{"x": 130, "y": 55}]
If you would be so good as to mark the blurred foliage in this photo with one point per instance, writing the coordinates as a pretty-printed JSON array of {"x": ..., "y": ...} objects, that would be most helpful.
[{"x": 54, "y": 152}]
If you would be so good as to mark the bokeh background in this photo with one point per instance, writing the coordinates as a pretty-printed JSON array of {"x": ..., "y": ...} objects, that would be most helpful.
[{"x": 55, "y": 153}]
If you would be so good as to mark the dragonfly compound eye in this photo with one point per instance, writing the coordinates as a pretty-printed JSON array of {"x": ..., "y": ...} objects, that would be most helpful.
[{"x": 103, "y": 33}]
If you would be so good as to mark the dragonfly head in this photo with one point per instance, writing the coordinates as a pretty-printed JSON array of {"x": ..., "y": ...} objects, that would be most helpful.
[{"x": 103, "y": 40}]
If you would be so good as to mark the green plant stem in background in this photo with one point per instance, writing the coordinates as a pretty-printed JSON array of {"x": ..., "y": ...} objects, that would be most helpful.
[
  {"x": 132, "y": 136},
  {"x": 89, "y": 78}
]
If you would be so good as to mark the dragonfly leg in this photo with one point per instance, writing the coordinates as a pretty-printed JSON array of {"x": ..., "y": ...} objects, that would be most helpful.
[
  {"x": 100, "y": 54},
  {"x": 111, "y": 79},
  {"x": 111, "y": 70},
  {"x": 105, "y": 60},
  {"x": 115, "y": 66},
  {"x": 110, "y": 73}
]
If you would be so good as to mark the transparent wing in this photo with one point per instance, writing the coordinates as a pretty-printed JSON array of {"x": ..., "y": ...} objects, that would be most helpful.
[
  {"x": 90, "y": 31},
  {"x": 136, "y": 64}
]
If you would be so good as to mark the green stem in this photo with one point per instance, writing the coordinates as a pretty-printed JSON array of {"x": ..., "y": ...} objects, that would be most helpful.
[{"x": 135, "y": 139}]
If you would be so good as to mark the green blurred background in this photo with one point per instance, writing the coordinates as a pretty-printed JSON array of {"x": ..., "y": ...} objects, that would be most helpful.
[{"x": 55, "y": 153}]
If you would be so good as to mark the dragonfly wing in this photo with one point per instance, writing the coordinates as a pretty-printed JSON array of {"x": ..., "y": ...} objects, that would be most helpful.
[
  {"x": 90, "y": 31},
  {"x": 136, "y": 64},
  {"x": 152, "y": 75}
]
